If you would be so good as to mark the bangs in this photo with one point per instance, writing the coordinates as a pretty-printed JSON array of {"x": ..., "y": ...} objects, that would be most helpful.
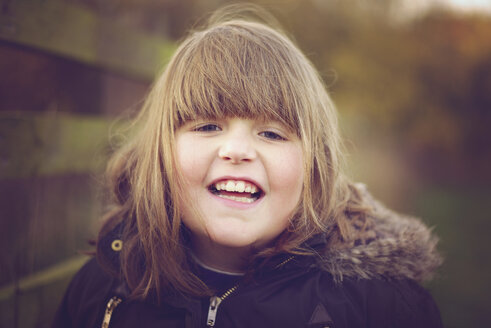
[{"x": 231, "y": 71}]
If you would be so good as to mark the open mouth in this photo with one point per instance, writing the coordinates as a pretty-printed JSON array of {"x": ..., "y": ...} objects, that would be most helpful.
[{"x": 236, "y": 190}]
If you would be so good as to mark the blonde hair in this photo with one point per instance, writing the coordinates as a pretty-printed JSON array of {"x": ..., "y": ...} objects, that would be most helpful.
[{"x": 234, "y": 67}]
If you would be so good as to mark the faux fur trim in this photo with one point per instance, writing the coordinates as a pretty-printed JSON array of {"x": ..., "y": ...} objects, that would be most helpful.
[{"x": 403, "y": 248}]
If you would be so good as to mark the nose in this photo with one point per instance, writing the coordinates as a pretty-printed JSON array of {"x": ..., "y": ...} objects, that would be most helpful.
[{"x": 237, "y": 147}]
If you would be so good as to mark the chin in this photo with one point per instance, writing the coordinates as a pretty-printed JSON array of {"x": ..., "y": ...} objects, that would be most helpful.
[{"x": 231, "y": 241}]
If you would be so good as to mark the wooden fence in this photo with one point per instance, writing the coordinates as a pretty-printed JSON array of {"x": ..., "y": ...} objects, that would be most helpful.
[{"x": 65, "y": 74}]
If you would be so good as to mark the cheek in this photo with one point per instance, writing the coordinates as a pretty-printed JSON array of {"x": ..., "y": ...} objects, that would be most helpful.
[
  {"x": 286, "y": 173},
  {"x": 188, "y": 166},
  {"x": 189, "y": 160}
]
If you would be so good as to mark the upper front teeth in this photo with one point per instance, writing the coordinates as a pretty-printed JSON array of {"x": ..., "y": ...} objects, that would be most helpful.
[{"x": 236, "y": 186}]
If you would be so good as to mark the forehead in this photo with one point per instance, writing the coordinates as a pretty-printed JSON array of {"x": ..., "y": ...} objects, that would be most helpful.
[{"x": 230, "y": 113}]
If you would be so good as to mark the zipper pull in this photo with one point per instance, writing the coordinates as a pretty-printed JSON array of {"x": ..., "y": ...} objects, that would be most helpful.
[
  {"x": 111, "y": 305},
  {"x": 212, "y": 311}
]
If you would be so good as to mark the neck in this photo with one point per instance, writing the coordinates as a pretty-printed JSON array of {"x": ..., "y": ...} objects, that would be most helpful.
[{"x": 221, "y": 258}]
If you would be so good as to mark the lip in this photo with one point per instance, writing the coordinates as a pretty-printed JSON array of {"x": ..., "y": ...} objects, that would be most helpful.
[{"x": 233, "y": 203}]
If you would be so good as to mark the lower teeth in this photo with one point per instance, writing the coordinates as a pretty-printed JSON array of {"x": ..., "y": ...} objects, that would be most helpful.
[{"x": 238, "y": 199}]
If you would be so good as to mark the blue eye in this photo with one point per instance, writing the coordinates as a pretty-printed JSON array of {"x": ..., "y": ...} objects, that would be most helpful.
[
  {"x": 271, "y": 135},
  {"x": 207, "y": 128}
]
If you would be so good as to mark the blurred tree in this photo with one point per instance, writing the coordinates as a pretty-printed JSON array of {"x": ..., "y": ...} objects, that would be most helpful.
[{"x": 448, "y": 126}]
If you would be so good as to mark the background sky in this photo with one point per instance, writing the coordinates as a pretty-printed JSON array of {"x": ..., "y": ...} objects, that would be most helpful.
[
  {"x": 465, "y": 5},
  {"x": 470, "y": 4}
]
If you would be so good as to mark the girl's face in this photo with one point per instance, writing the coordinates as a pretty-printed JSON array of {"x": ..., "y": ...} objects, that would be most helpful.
[{"x": 244, "y": 176}]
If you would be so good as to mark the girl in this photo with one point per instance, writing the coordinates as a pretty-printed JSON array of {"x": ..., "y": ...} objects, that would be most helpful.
[{"x": 231, "y": 210}]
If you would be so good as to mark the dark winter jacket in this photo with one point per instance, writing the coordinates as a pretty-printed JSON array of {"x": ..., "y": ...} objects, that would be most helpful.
[{"x": 372, "y": 284}]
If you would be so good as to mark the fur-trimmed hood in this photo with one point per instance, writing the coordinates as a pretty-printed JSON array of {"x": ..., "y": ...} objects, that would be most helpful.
[{"x": 402, "y": 247}]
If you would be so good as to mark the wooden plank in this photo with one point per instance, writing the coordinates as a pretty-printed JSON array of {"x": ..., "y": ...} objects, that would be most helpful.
[
  {"x": 38, "y": 144},
  {"x": 35, "y": 299},
  {"x": 44, "y": 277},
  {"x": 47, "y": 219},
  {"x": 71, "y": 31}
]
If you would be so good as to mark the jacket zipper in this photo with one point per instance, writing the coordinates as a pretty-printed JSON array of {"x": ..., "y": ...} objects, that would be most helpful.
[
  {"x": 215, "y": 301},
  {"x": 284, "y": 262},
  {"x": 212, "y": 310},
  {"x": 111, "y": 305}
]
